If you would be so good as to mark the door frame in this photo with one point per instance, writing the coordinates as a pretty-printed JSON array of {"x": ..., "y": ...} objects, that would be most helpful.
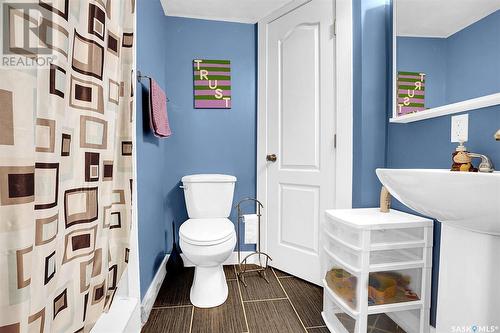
[{"x": 344, "y": 102}]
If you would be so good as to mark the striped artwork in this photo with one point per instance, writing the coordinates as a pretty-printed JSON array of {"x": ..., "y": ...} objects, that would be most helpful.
[
  {"x": 212, "y": 84},
  {"x": 411, "y": 92}
]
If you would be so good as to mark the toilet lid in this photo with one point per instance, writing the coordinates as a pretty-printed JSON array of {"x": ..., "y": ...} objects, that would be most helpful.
[{"x": 206, "y": 231}]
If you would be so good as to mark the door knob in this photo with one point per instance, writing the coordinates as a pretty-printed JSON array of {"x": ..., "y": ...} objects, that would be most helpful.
[{"x": 271, "y": 158}]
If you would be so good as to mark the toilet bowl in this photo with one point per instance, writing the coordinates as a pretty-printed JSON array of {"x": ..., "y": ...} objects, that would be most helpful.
[
  {"x": 208, "y": 237},
  {"x": 207, "y": 243}
]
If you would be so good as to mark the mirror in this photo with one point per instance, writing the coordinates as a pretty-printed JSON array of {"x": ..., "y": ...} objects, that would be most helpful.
[{"x": 446, "y": 51}]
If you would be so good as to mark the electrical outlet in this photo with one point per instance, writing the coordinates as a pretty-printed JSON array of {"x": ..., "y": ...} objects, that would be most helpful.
[{"x": 460, "y": 128}]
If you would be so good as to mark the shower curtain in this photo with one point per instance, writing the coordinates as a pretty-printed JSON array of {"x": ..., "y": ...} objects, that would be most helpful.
[{"x": 65, "y": 165}]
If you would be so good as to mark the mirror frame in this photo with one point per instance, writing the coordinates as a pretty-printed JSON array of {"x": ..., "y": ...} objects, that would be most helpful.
[{"x": 466, "y": 105}]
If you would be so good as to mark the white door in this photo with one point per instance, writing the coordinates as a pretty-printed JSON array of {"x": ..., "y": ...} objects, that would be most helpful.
[{"x": 300, "y": 132}]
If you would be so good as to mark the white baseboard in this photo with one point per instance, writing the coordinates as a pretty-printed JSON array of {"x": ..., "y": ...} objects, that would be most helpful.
[
  {"x": 232, "y": 260},
  {"x": 120, "y": 318},
  {"x": 150, "y": 297}
]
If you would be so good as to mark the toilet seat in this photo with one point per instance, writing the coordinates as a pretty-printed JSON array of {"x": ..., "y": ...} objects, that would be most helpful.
[{"x": 210, "y": 231}]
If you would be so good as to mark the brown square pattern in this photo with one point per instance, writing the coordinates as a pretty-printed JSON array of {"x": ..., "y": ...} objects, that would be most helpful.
[
  {"x": 65, "y": 144},
  {"x": 60, "y": 302},
  {"x": 17, "y": 185},
  {"x": 80, "y": 205},
  {"x": 91, "y": 167},
  {"x": 6, "y": 118},
  {"x": 96, "y": 21},
  {"x": 88, "y": 56}
]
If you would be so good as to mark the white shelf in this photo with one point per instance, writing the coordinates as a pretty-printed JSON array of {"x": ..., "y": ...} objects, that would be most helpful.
[
  {"x": 372, "y": 309},
  {"x": 396, "y": 266},
  {"x": 393, "y": 307},
  {"x": 468, "y": 105}
]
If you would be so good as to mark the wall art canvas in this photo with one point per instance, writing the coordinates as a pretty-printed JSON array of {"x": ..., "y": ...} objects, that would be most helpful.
[
  {"x": 212, "y": 84},
  {"x": 410, "y": 92}
]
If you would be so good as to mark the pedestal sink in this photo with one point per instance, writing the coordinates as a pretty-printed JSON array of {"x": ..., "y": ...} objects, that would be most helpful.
[{"x": 468, "y": 205}]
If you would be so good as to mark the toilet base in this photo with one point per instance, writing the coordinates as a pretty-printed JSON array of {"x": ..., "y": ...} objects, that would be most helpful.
[{"x": 209, "y": 287}]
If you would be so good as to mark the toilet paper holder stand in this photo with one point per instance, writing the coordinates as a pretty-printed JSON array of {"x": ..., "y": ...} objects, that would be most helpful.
[{"x": 262, "y": 259}]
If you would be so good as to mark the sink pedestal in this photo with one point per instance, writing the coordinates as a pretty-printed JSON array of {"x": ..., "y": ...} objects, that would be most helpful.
[{"x": 469, "y": 281}]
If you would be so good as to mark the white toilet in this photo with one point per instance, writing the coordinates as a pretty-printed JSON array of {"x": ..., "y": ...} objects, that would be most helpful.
[{"x": 208, "y": 238}]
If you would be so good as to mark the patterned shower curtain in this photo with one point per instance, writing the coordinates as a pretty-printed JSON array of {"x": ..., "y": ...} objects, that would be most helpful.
[{"x": 65, "y": 162}]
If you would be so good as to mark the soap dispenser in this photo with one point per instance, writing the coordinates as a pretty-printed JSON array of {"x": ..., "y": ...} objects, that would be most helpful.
[{"x": 461, "y": 160}]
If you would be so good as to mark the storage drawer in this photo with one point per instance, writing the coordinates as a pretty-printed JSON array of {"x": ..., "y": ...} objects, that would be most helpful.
[
  {"x": 335, "y": 318},
  {"x": 341, "y": 280},
  {"x": 386, "y": 287},
  {"x": 394, "y": 287},
  {"x": 382, "y": 237},
  {"x": 396, "y": 257},
  {"x": 344, "y": 253},
  {"x": 379, "y": 239},
  {"x": 341, "y": 231}
]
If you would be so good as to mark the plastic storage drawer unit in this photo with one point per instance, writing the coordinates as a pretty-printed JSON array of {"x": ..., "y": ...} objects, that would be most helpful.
[{"x": 373, "y": 263}]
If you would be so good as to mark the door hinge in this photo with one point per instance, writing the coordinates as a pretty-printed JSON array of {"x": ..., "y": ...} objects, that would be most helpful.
[
  {"x": 335, "y": 141},
  {"x": 333, "y": 29}
]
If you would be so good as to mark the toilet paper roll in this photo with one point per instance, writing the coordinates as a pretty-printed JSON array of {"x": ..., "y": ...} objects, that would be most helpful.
[{"x": 251, "y": 228}]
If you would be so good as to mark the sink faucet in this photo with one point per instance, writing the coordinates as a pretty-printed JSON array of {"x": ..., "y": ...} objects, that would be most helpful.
[{"x": 486, "y": 164}]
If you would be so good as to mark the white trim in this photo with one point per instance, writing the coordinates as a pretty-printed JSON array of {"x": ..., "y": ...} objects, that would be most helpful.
[
  {"x": 344, "y": 107},
  {"x": 149, "y": 299},
  {"x": 394, "y": 62},
  {"x": 468, "y": 105},
  {"x": 121, "y": 317},
  {"x": 164, "y": 6},
  {"x": 232, "y": 260}
]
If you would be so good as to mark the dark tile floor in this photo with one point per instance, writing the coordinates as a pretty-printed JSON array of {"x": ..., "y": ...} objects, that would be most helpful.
[{"x": 285, "y": 305}]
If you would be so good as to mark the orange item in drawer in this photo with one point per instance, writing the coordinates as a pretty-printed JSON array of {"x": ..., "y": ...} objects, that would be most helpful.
[{"x": 343, "y": 284}]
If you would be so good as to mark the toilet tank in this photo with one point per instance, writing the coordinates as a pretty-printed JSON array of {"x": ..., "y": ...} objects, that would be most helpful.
[{"x": 208, "y": 195}]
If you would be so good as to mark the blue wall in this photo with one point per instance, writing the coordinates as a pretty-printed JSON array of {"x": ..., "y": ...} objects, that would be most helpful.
[
  {"x": 426, "y": 144},
  {"x": 425, "y": 55},
  {"x": 216, "y": 140},
  {"x": 151, "y": 158},
  {"x": 477, "y": 64},
  {"x": 203, "y": 141},
  {"x": 370, "y": 98}
]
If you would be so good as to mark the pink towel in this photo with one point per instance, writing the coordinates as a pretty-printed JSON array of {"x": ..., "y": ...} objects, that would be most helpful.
[{"x": 158, "y": 118}]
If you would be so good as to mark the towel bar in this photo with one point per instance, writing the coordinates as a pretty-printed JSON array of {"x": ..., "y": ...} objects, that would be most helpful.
[{"x": 140, "y": 77}]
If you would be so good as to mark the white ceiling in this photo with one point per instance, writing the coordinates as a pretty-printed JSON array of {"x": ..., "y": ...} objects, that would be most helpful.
[
  {"x": 440, "y": 18},
  {"x": 244, "y": 11}
]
